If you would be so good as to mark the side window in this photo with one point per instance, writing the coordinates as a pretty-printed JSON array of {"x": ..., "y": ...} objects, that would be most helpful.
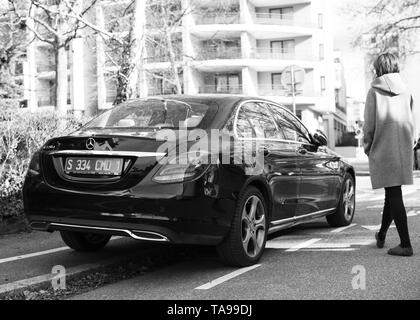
[
  {"x": 291, "y": 128},
  {"x": 255, "y": 121}
]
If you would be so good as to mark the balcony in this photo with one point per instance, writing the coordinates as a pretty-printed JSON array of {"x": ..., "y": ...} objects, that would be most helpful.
[
  {"x": 45, "y": 102},
  {"x": 155, "y": 91},
  {"x": 215, "y": 53},
  {"x": 157, "y": 58},
  {"x": 45, "y": 67},
  {"x": 280, "y": 19},
  {"x": 269, "y": 53},
  {"x": 278, "y": 90},
  {"x": 215, "y": 89},
  {"x": 273, "y": 90},
  {"x": 221, "y": 18}
]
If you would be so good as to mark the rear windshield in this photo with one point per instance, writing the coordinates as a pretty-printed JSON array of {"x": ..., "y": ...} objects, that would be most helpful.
[{"x": 151, "y": 114}]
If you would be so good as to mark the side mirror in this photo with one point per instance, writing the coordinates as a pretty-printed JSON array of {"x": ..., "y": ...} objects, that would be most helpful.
[{"x": 320, "y": 139}]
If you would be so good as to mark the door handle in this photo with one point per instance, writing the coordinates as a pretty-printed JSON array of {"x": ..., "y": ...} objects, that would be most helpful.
[
  {"x": 264, "y": 150},
  {"x": 301, "y": 151}
]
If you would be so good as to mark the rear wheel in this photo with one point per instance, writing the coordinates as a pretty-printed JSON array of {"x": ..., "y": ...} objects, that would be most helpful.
[
  {"x": 85, "y": 242},
  {"x": 245, "y": 244},
  {"x": 345, "y": 211}
]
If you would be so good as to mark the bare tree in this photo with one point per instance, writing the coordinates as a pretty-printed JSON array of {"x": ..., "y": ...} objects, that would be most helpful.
[
  {"x": 57, "y": 23},
  {"x": 160, "y": 43},
  {"x": 12, "y": 48},
  {"x": 391, "y": 25}
]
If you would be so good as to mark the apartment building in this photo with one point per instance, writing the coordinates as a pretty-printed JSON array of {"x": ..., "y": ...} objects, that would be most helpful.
[{"x": 222, "y": 47}]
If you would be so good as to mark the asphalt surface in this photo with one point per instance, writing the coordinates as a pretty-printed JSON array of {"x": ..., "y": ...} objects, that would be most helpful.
[{"x": 312, "y": 261}]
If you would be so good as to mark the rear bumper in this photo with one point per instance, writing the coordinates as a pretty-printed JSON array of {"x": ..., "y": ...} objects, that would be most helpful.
[{"x": 182, "y": 220}]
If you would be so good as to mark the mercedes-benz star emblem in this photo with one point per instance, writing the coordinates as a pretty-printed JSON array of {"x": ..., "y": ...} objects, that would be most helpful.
[{"x": 90, "y": 144}]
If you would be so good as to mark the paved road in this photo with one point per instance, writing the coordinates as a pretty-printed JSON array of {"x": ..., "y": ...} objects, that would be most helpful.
[{"x": 312, "y": 261}]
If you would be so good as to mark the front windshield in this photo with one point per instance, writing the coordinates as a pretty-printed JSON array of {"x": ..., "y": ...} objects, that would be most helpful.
[{"x": 150, "y": 115}]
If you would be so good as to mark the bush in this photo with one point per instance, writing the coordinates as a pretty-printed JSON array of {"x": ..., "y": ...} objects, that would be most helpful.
[{"x": 21, "y": 134}]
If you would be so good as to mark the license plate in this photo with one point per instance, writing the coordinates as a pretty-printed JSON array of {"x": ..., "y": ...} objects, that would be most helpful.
[{"x": 94, "y": 166}]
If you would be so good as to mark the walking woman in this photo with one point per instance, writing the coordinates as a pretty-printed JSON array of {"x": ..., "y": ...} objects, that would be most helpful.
[{"x": 389, "y": 141}]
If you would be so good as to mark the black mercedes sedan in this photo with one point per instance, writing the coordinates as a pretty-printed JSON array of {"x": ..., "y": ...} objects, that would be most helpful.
[{"x": 224, "y": 171}]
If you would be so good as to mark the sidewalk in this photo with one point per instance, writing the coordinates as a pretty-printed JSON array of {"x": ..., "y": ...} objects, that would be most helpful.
[{"x": 361, "y": 165}]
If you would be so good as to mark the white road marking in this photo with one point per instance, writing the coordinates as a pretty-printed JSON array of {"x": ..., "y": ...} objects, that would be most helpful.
[
  {"x": 281, "y": 244},
  {"x": 303, "y": 245},
  {"x": 331, "y": 250},
  {"x": 35, "y": 254},
  {"x": 413, "y": 213},
  {"x": 40, "y": 253},
  {"x": 43, "y": 279},
  {"x": 343, "y": 228},
  {"x": 227, "y": 277},
  {"x": 375, "y": 207},
  {"x": 376, "y": 228}
]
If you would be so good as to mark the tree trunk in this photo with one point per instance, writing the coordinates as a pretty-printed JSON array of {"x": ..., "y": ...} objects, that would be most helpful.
[
  {"x": 172, "y": 60},
  {"x": 137, "y": 49},
  {"x": 61, "y": 80}
]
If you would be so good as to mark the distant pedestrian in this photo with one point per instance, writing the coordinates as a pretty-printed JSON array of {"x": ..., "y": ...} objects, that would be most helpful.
[
  {"x": 417, "y": 156},
  {"x": 389, "y": 141}
]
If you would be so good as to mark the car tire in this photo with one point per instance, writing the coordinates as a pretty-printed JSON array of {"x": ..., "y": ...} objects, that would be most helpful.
[
  {"x": 245, "y": 244},
  {"x": 344, "y": 214},
  {"x": 85, "y": 242}
]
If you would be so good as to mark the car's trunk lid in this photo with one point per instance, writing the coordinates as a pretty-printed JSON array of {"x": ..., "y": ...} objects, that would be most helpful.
[{"x": 132, "y": 157}]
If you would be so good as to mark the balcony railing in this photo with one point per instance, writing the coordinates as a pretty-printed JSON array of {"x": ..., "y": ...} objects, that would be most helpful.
[
  {"x": 210, "y": 89},
  {"x": 219, "y": 53},
  {"x": 160, "y": 92},
  {"x": 45, "y": 102},
  {"x": 45, "y": 68},
  {"x": 162, "y": 58},
  {"x": 280, "y": 91},
  {"x": 280, "y": 19},
  {"x": 269, "y": 53},
  {"x": 221, "y": 18}
]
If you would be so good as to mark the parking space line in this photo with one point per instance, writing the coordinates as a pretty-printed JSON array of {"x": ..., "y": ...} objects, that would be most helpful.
[
  {"x": 227, "y": 277},
  {"x": 303, "y": 245},
  {"x": 35, "y": 254},
  {"x": 330, "y": 250},
  {"x": 338, "y": 230},
  {"x": 40, "y": 253}
]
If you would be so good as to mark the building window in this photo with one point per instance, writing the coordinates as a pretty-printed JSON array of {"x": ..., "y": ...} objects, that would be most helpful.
[
  {"x": 321, "y": 52},
  {"x": 337, "y": 98},
  {"x": 227, "y": 83},
  {"x": 276, "y": 81},
  {"x": 323, "y": 84},
  {"x": 321, "y": 21},
  {"x": 283, "y": 47},
  {"x": 282, "y": 13}
]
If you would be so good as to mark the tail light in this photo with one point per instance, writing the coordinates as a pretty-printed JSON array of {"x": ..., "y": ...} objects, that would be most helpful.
[
  {"x": 34, "y": 165},
  {"x": 182, "y": 168}
]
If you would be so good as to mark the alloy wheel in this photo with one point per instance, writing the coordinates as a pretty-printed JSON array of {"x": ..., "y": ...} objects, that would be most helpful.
[
  {"x": 349, "y": 199},
  {"x": 253, "y": 226}
]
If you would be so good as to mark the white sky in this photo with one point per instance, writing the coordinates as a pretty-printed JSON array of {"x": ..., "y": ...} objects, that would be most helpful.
[{"x": 346, "y": 30}]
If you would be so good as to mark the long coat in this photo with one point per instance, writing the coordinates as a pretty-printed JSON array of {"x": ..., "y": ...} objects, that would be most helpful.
[{"x": 389, "y": 132}]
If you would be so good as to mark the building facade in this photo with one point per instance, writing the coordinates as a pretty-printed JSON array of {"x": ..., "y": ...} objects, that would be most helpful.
[{"x": 242, "y": 49}]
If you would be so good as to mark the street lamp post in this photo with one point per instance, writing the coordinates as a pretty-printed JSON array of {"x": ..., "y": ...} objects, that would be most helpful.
[{"x": 290, "y": 79}]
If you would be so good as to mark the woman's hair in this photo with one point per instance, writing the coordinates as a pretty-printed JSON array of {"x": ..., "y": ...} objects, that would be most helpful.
[{"x": 386, "y": 63}]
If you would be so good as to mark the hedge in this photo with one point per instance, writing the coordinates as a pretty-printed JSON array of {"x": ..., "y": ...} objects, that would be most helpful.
[{"x": 21, "y": 134}]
